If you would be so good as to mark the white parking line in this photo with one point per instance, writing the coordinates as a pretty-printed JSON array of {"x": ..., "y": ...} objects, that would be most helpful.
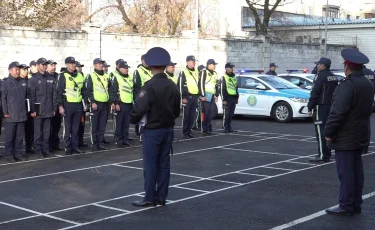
[
  {"x": 112, "y": 208},
  {"x": 23, "y": 218},
  {"x": 254, "y": 151},
  {"x": 279, "y": 168},
  {"x": 252, "y": 174},
  {"x": 191, "y": 189},
  {"x": 313, "y": 216},
  {"x": 300, "y": 163}
]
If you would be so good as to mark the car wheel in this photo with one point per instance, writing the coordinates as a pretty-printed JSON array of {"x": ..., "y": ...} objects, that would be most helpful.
[{"x": 282, "y": 112}]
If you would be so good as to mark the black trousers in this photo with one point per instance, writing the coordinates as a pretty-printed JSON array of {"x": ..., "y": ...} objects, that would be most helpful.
[
  {"x": 42, "y": 130},
  {"x": 321, "y": 114},
  {"x": 207, "y": 111},
  {"x": 189, "y": 110},
  {"x": 73, "y": 113},
  {"x": 14, "y": 132},
  {"x": 98, "y": 124},
  {"x": 228, "y": 113},
  {"x": 122, "y": 123},
  {"x": 81, "y": 128},
  {"x": 29, "y": 132},
  {"x": 198, "y": 119},
  {"x": 54, "y": 139}
]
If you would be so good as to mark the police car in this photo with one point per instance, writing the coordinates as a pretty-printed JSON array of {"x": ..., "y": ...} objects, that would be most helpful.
[
  {"x": 305, "y": 80},
  {"x": 266, "y": 95}
]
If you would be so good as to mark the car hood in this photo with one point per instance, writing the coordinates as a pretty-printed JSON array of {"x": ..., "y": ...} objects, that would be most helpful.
[{"x": 301, "y": 93}]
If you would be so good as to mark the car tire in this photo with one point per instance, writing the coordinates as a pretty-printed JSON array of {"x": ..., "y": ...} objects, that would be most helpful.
[{"x": 282, "y": 112}]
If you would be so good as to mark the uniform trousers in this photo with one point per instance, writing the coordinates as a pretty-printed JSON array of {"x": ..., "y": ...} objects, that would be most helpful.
[
  {"x": 189, "y": 110},
  {"x": 320, "y": 118},
  {"x": 72, "y": 118},
  {"x": 98, "y": 124},
  {"x": 123, "y": 122},
  {"x": 229, "y": 112},
  {"x": 14, "y": 132},
  {"x": 42, "y": 129}
]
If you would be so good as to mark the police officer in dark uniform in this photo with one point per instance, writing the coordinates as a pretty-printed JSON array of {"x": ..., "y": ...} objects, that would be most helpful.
[
  {"x": 229, "y": 95},
  {"x": 69, "y": 101},
  {"x": 320, "y": 101},
  {"x": 369, "y": 74},
  {"x": 159, "y": 104},
  {"x": 81, "y": 129},
  {"x": 14, "y": 92},
  {"x": 122, "y": 97},
  {"x": 272, "y": 70},
  {"x": 315, "y": 70},
  {"x": 346, "y": 130}
]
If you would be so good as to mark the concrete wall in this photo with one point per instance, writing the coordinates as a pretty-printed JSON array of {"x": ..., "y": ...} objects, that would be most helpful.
[{"x": 26, "y": 44}]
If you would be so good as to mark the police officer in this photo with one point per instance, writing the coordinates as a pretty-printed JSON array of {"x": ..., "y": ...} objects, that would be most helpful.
[
  {"x": 54, "y": 141},
  {"x": 188, "y": 86},
  {"x": 105, "y": 67},
  {"x": 197, "y": 126},
  {"x": 208, "y": 93},
  {"x": 33, "y": 68},
  {"x": 122, "y": 96},
  {"x": 14, "y": 92},
  {"x": 111, "y": 75},
  {"x": 81, "y": 129},
  {"x": 159, "y": 101},
  {"x": 229, "y": 95},
  {"x": 98, "y": 97},
  {"x": 29, "y": 123},
  {"x": 346, "y": 130},
  {"x": 170, "y": 72},
  {"x": 320, "y": 101},
  {"x": 272, "y": 70},
  {"x": 315, "y": 70},
  {"x": 369, "y": 74},
  {"x": 69, "y": 101}
]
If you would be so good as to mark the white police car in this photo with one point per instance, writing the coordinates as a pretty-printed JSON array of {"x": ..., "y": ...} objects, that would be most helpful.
[{"x": 267, "y": 95}]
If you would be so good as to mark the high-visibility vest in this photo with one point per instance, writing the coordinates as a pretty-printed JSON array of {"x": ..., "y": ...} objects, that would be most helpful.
[
  {"x": 73, "y": 87},
  {"x": 174, "y": 78},
  {"x": 211, "y": 81},
  {"x": 125, "y": 87},
  {"x": 191, "y": 81},
  {"x": 100, "y": 87},
  {"x": 144, "y": 74},
  {"x": 231, "y": 83}
]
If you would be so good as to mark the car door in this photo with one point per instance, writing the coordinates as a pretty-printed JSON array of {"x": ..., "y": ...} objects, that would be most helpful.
[{"x": 254, "y": 99}]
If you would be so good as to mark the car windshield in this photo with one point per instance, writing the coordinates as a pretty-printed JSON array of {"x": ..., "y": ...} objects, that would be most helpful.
[{"x": 278, "y": 83}]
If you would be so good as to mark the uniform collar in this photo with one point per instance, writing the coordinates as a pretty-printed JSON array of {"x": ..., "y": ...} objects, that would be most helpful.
[
  {"x": 230, "y": 74},
  {"x": 169, "y": 74},
  {"x": 191, "y": 69},
  {"x": 99, "y": 72},
  {"x": 160, "y": 75}
]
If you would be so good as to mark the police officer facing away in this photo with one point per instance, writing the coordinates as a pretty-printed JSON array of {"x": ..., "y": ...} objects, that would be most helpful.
[
  {"x": 159, "y": 101},
  {"x": 369, "y": 74},
  {"x": 98, "y": 97},
  {"x": 346, "y": 131},
  {"x": 14, "y": 92},
  {"x": 81, "y": 129},
  {"x": 122, "y": 96},
  {"x": 188, "y": 86},
  {"x": 229, "y": 94},
  {"x": 320, "y": 101},
  {"x": 43, "y": 92},
  {"x": 208, "y": 92},
  {"x": 272, "y": 69},
  {"x": 69, "y": 100}
]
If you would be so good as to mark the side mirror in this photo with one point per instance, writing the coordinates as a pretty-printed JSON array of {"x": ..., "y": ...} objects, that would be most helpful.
[
  {"x": 309, "y": 87},
  {"x": 261, "y": 87}
]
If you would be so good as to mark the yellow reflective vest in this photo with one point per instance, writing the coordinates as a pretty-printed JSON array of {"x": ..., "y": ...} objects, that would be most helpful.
[
  {"x": 125, "y": 87},
  {"x": 231, "y": 84},
  {"x": 100, "y": 87},
  {"x": 73, "y": 87},
  {"x": 144, "y": 74},
  {"x": 191, "y": 80}
]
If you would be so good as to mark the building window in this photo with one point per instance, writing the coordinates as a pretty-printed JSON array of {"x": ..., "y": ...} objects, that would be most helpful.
[{"x": 333, "y": 11}]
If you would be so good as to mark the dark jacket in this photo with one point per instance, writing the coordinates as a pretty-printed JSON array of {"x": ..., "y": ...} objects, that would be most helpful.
[
  {"x": 43, "y": 91},
  {"x": 270, "y": 72},
  {"x": 223, "y": 87},
  {"x": 348, "y": 121},
  {"x": 325, "y": 84},
  {"x": 369, "y": 74},
  {"x": 61, "y": 85},
  {"x": 182, "y": 86},
  {"x": 14, "y": 93},
  {"x": 114, "y": 92},
  {"x": 160, "y": 100},
  {"x": 137, "y": 80},
  {"x": 203, "y": 79}
]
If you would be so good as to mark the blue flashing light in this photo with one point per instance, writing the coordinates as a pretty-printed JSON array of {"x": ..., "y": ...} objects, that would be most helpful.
[{"x": 250, "y": 71}]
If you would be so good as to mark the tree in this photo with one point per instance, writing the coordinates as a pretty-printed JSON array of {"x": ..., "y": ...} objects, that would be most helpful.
[{"x": 262, "y": 16}]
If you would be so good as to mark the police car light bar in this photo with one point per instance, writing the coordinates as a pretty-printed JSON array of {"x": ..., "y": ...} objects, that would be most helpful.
[
  {"x": 297, "y": 70},
  {"x": 250, "y": 71}
]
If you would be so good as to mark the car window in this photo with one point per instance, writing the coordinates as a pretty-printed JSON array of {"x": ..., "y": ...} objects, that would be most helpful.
[{"x": 249, "y": 83}]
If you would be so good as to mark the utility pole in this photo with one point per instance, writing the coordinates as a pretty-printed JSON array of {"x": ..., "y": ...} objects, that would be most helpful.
[
  {"x": 196, "y": 27},
  {"x": 325, "y": 36}
]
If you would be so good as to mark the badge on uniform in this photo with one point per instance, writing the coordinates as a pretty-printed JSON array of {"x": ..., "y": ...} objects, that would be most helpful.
[
  {"x": 142, "y": 93},
  {"x": 39, "y": 82}
]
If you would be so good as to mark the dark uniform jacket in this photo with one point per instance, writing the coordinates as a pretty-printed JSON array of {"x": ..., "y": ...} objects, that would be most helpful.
[
  {"x": 325, "y": 84},
  {"x": 61, "y": 85},
  {"x": 160, "y": 100},
  {"x": 137, "y": 80},
  {"x": 224, "y": 92},
  {"x": 203, "y": 79},
  {"x": 114, "y": 92},
  {"x": 43, "y": 91},
  {"x": 348, "y": 121},
  {"x": 270, "y": 72},
  {"x": 14, "y": 93}
]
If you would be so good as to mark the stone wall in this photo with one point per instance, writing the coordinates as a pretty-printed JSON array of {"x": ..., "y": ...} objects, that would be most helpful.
[{"x": 26, "y": 44}]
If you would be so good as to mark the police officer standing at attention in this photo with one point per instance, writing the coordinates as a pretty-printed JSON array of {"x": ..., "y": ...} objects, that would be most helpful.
[
  {"x": 43, "y": 92},
  {"x": 33, "y": 68},
  {"x": 122, "y": 96},
  {"x": 197, "y": 126},
  {"x": 188, "y": 86},
  {"x": 346, "y": 131},
  {"x": 369, "y": 74},
  {"x": 229, "y": 94},
  {"x": 105, "y": 67},
  {"x": 272, "y": 69},
  {"x": 14, "y": 92},
  {"x": 69, "y": 100},
  {"x": 208, "y": 94},
  {"x": 98, "y": 97},
  {"x": 159, "y": 101},
  {"x": 170, "y": 72},
  {"x": 320, "y": 101},
  {"x": 81, "y": 129}
]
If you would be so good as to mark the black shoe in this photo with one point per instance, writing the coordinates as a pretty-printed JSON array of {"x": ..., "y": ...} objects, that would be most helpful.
[
  {"x": 186, "y": 136},
  {"x": 18, "y": 158},
  {"x": 318, "y": 160},
  {"x": 365, "y": 150},
  {"x": 102, "y": 148},
  {"x": 143, "y": 203},
  {"x": 39, "y": 155},
  {"x": 233, "y": 131},
  {"x": 338, "y": 211},
  {"x": 127, "y": 144},
  {"x": 196, "y": 129},
  {"x": 357, "y": 210},
  {"x": 130, "y": 139},
  {"x": 83, "y": 144},
  {"x": 77, "y": 151},
  {"x": 105, "y": 141},
  {"x": 11, "y": 159},
  {"x": 160, "y": 202},
  {"x": 121, "y": 146},
  {"x": 226, "y": 131},
  {"x": 191, "y": 135},
  {"x": 48, "y": 154},
  {"x": 30, "y": 150},
  {"x": 205, "y": 133},
  {"x": 68, "y": 152},
  {"x": 57, "y": 148}
]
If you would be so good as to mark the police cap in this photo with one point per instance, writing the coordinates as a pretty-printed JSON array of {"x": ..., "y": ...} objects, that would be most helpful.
[
  {"x": 211, "y": 61},
  {"x": 201, "y": 67},
  {"x": 157, "y": 56},
  {"x": 14, "y": 64},
  {"x": 273, "y": 65},
  {"x": 324, "y": 61},
  {"x": 52, "y": 62},
  {"x": 190, "y": 58},
  {"x": 106, "y": 65},
  {"x": 353, "y": 57},
  {"x": 123, "y": 65},
  {"x": 229, "y": 65},
  {"x": 143, "y": 56},
  {"x": 42, "y": 61},
  {"x": 33, "y": 62},
  {"x": 24, "y": 66},
  {"x": 70, "y": 60},
  {"x": 172, "y": 64},
  {"x": 119, "y": 61},
  {"x": 98, "y": 60},
  {"x": 78, "y": 64}
]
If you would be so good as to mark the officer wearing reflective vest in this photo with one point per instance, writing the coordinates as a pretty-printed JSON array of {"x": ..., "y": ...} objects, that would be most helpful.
[
  {"x": 208, "y": 94},
  {"x": 369, "y": 74},
  {"x": 229, "y": 95},
  {"x": 170, "y": 72},
  {"x": 81, "y": 129},
  {"x": 189, "y": 91},
  {"x": 197, "y": 126},
  {"x": 98, "y": 97},
  {"x": 69, "y": 100},
  {"x": 121, "y": 97}
]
